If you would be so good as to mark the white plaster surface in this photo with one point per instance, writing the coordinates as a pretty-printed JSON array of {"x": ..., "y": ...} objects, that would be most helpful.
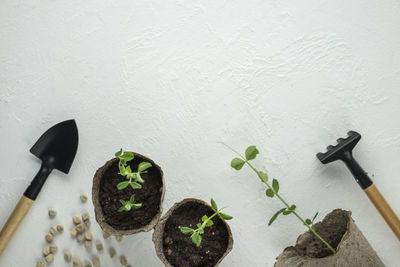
[{"x": 171, "y": 78}]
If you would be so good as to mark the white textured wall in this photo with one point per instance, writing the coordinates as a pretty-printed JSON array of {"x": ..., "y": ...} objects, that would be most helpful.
[{"x": 170, "y": 78}]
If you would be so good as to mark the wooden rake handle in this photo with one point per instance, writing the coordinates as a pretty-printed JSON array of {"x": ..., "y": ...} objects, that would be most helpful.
[
  {"x": 384, "y": 209},
  {"x": 14, "y": 221}
]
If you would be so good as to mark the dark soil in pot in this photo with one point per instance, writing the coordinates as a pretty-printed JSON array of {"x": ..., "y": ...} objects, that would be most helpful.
[
  {"x": 177, "y": 249},
  {"x": 340, "y": 231},
  {"x": 106, "y": 198}
]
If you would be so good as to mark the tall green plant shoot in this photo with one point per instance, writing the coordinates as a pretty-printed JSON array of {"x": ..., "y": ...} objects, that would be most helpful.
[{"x": 273, "y": 190}]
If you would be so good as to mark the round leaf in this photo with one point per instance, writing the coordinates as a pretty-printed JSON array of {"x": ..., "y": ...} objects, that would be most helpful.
[
  {"x": 251, "y": 152},
  {"x": 308, "y": 221},
  {"x": 263, "y": 176},
  {"x": 237, "y": 163},
  {"x": 135, "y": 185},
  {"x": 275, "y": 185},
  {"x": 204, "y": 218},
  {"x": 269, "y": 193}
]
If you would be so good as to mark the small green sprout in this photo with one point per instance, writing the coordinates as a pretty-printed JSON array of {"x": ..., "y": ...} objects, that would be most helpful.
[
  {"x": 125, "y": 170},
  {"x": 134, "y": 178},
  {"x": 128, "y": 205},
  {"x": 273, "y": 190},
  {"x": 206, "y": 222}
]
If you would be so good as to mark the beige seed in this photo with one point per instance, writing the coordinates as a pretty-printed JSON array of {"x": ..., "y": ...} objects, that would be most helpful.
[
  {"x": 106, "y": 235},
  {"x": 87, "y": 264},
  {"x": 83, "y": 198},
  {"x": 113, "y": 252},
  {"x": 119, "y": 238},
  {"x": 99, "y": 246},
  {"x": 88, "y": 235},
  {"x": 46, "y": 250},
  {"x": 96, "y": 260},
  {"x": 85, "y": 216},
  {"x": 88, "y": 244},
  {"x": 60, "y": 228},
  {"x": 80, "y": 228},
  {"x": 49, "y": 258},
  {"x": 41, "y": 263},
  {"x": 52, "y": 213},
  {"x": 74, "y": 232},
  {"x": 76, "y": 220},
  {"x": 53, "y": 248},
  {"x": 67, "y": 256},
  {"x": 77, "y": 263},
  {"x": 53, "y": 230},
  {"x": 80, "y": 238},
  {"x": 123, "y": 261},
  {"x": 87, "y": 223},
  {"x": 48, "y": 237}
]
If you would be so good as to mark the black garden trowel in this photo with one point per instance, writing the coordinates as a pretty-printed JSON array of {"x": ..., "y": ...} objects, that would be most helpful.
[{"x": 56, "y": 148}]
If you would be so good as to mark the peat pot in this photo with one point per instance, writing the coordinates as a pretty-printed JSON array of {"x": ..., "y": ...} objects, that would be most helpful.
[
  {"x": 177, "y": 249},
  {"x": 340, "y": 231},
  {"x": 106, "y": 198}
]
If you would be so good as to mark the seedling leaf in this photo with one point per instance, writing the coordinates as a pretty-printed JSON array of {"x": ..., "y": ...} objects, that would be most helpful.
[
  {"x": 237, "y": 163},
  {"x": 286, "y": 212},
  {"x": 118, "y": 154},
  {"x": 273, "y": 218},
  {"x": 214, "y": 205},
  {"x": 204, "y": 218},
  {"x": 225, "y": 216},
  {"x": 269, "y": 193},
  {"x": 122, "y": 185},
  {"x": 209, "y": 223},
  {"x": 308, "y": 221},
  {"x": 263, "y": 176},
  {"x": 121, "y": 209},
  {"x": 144, "y": 166},
  {"x": 137, "y": 205},
  {"x": 251, "y": 152},
  {"x": 186, "y": 230},
  {"x": 135, "y": 185},
  {"x": 196, "y": 238},
  {"x": 275, "y": 185},
  {"x": 132, "y": 199}
]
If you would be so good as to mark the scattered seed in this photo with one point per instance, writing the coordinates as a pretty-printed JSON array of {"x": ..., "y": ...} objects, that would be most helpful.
[
  {"x": 96, "y": 260},
  {"x": 168, "y": 240},
  {"x": 80, "y": 228},
  {"x": 46, "y": 250},
  {"x": 53, "y": 248},
  {"x": 48, "y": 237},
  {"x": 169, "y": 251},
  {"x": 119, "y": 238},
  {"x": 88, "y": 235},
  {"x": 99, "y": 246},
  {"x": 77, "y": 263},
  {"x": 41, "y": 263},
  {"x": 123, "y": 261},
  {"x": 106, "y": 235},
  {"x": 60, "y": 228},
  {"x": 76, "y": 220},
  {"x": 87, "y": 223},
  {"x": 83, "y": 198},
  {"x": 80, "y": 238},
  {"x": 52, "y": 213},
  {"x": 87, "y": 264},
  {"x": 88, "y": 244},
  {"x": 53, "y": 230},
  {"x": 113, "y": 252},
  {"x": 49, "y": 258},
  {"x": 85, "y": 216},
  {"x": 67, "y": 256},
  {"x": 74, "y": 232}
]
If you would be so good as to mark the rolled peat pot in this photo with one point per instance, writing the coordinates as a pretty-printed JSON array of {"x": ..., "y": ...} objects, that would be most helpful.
[
  {"x": 106, "y": 198},
  {"x": 177, "y": 249},
  {"x": 340, "y": 231}
]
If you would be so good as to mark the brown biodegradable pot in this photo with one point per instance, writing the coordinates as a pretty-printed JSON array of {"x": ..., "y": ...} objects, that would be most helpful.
[
  {"x": 176, "y": 249},
  {"x": 340, "y": 231},
  {"x": 106, "y": 196}
]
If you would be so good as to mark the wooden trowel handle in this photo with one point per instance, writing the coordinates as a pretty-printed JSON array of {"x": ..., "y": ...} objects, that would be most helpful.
[
  {"x": 14, "y": 221},
  {"x": 384, "y": 209}
]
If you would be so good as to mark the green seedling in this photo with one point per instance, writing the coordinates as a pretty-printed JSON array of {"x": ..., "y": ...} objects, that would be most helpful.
[
  {"x": 273, "y": 190},
  {"x": 128, "y": 205},
  {"x": 195, "y": 234},
  {"x": 134, "y": 178}
]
